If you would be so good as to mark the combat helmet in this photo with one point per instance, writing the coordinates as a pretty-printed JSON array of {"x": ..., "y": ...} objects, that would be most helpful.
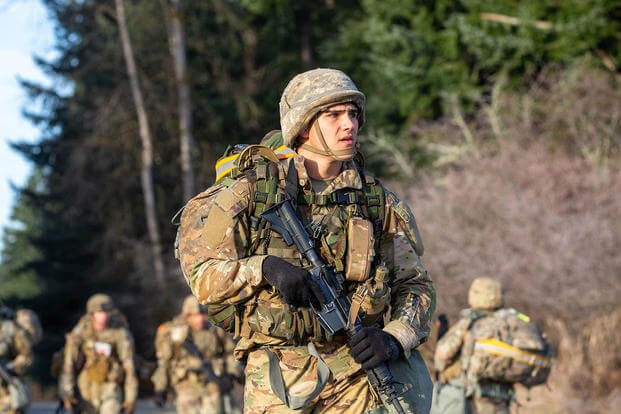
[
  {"x": 309, "y": 93},
  {"x": 99, "y": 302},
  {"x": 485, "y": 294},
  {"x": 191, "y": 306}
]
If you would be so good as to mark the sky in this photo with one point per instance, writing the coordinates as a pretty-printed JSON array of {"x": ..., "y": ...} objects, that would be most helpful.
[{"x": 25, "y": 31}]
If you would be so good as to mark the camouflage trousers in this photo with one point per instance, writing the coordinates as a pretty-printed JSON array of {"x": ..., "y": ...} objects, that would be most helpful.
[
  {"x": 199, "y": 399},
  {"x": 99, "y": 398},
  {"x": 347, "y": 390}
]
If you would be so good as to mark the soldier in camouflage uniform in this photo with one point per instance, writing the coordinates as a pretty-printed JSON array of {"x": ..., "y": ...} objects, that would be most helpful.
[
  {"x": 451, "y": 356},
  {"x": 15, "y": 357},
  {"x": 98, "y": 373},
  {"x": 229, "y": 257},
  {"x": 184, "y": 347}
]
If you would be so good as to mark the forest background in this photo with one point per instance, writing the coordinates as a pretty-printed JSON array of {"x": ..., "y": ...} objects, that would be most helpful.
[{"x": 499, "y": 122}]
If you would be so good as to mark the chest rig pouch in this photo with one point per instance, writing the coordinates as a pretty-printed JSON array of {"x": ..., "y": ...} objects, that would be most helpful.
[{"x": 346, "y": 226}]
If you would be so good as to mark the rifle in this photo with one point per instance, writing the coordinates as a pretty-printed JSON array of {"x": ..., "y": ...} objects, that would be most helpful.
[
  {"x": 334, "y": 304},
  {"x": 206, "y": 368}
]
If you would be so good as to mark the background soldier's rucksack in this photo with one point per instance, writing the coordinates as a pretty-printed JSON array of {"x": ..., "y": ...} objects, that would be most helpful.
[
  {"x": 30, "y": 322},
  {"x": 506, "y": 346}
]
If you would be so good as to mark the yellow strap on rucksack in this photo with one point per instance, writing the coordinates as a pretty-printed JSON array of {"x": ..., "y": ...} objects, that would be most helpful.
[
  {"x": 497, "y": 347},
  {"x": 227, "y": 165}
]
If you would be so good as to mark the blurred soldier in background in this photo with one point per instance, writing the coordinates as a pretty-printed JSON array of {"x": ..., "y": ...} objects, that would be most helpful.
[
  {"x": 15, "y": 358},
  {"x": 485, "y": 353},
  {"x": 196, "y": 360},
  {"x": 98, "y": 373}
]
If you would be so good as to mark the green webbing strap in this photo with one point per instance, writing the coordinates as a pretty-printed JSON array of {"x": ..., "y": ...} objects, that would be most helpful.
[
  {"x": 277, "y": 383},
  {"x": 216, "y": 317},
  {"x": 337, "y": 197}
]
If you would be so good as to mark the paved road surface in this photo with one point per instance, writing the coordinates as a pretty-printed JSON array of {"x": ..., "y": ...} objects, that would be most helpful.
[{"x": 143, "y": 407}]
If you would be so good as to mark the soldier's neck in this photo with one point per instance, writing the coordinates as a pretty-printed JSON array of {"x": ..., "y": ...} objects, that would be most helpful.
[{"x": 320, "y": 167}]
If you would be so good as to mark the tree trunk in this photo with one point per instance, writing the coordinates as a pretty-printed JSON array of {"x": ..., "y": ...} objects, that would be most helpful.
[
  {"x": 147, "y": 148},
  {"x": 176, "y": 37}
]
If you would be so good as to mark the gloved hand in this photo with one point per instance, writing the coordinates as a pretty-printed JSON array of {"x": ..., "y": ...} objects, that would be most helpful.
[
  {"x": 159, "y": 398},
  {"x": 128, "y": 407},
  {"x": 293, "y": 283},
  {"x": 372, "y": 346}
]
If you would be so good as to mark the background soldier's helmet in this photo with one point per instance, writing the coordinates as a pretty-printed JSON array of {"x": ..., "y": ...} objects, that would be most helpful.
[
  {"x": 485, "y": 294},
  {"x": 99, "y": 302},
  {"x": 190, "y": 306},
  {"x": 310, "y": 92}
]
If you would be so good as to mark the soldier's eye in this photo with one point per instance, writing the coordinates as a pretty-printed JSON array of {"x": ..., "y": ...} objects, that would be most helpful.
[{"x": 353, "y": 113}]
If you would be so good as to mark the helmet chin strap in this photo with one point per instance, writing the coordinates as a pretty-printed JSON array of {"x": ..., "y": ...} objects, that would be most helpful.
[{"x": 326, "y": 151}]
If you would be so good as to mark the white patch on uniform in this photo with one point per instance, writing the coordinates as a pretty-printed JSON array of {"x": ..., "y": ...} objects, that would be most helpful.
[
  {"x": 178, "y": 334},
  {"x": 103, "y": 348}
]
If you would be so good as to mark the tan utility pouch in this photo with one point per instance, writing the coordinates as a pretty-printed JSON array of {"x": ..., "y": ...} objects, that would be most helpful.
[
  {"x": 98, "y": 371},
  {"x": 360, "y": 252}
]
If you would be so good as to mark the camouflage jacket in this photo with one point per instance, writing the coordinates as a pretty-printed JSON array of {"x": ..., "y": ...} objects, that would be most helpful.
[
  {"x": 176, "y": 364},
  {"x": 15, "y": 347},
  {"x": 106, "y": 356},
  {"x": 223, "y": 266}
]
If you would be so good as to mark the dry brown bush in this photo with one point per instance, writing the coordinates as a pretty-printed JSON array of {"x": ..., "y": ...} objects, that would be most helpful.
[{"x": 538, "y": 206}]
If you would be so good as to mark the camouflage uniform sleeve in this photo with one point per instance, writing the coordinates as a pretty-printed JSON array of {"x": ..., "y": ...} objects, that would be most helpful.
[
  {"x": 214, "y": 238},
  {"x": 67, "y": 378},
  {"x": 23, "y": 351},
  {"x": 127, "y": 357},
  {"x": 413, "y": 297},
  {"x": 449, "y": 346},
  {"x": 163, "y": 352}
]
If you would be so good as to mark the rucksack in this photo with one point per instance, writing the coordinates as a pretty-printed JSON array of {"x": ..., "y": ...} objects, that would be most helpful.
[
  {"x": 31, "y": 323},
  {"x": 506, "y": 346}
]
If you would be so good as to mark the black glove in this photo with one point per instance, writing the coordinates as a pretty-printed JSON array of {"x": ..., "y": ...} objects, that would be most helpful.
[
  {"x": 159, "y": 398},
  {"x": 372, "y": 346},
  {"x": 293, "y": 283}
]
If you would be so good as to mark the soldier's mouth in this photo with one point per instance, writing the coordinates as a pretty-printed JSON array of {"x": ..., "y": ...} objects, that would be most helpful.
[{"x": 348, "y": 140}]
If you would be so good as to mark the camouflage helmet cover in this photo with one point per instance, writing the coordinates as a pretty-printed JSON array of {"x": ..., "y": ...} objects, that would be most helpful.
[
  {"x": 310, "y": 92},
  {"x": 99, "y": 302},
  {"x": 485, "y": 294},
  {"x": 190, "y": 306}
]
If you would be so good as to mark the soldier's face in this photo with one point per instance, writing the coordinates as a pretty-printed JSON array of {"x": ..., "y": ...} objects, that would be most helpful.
[
  {"x": 100, "y": 320},
  {"x": 196, "y": 321},
  {"x": 339, "y": 127}
]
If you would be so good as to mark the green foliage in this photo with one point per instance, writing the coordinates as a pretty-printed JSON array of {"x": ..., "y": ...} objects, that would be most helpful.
[{"x": 414, "y": 54}]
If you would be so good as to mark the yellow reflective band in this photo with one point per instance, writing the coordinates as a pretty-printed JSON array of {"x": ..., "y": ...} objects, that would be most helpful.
[
  {"x": 223, "y": 168},
  {"x": 284, "y": 152},
  {"x": 226, "y": 165},
  {"x": 497, "y": 347},
  {"x": 225, "y": 160},
  {"x": 523, "y": 317}
]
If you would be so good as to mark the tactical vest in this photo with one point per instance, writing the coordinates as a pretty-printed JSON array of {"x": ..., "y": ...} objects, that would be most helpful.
[
  {"x": 352, "y": 212},
  {"x": 100, "y": 355}
]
